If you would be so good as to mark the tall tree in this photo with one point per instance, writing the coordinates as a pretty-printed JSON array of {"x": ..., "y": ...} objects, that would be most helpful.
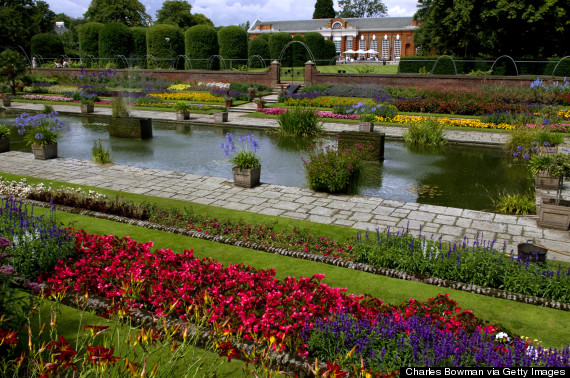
[
  {"x": 12, "y": 65},
  {"x": 200, "y": 19},
  {"x": 175, "y": 12},
  {"x": 128, "y": 12},
  {"x": 362, "y": 8},
  {"x": 324, "y": 9}
]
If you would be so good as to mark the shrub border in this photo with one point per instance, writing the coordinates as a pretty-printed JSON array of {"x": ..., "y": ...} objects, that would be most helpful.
[{"x": 392, "y": 273}]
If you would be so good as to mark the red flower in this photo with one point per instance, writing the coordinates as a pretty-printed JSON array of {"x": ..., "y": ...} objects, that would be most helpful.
[
  {"x": 101, "y": 356},
  {"x": 8, "y": 337}
]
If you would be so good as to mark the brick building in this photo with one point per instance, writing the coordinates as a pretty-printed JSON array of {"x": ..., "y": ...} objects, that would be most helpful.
[{"x": 390, "y": 37}]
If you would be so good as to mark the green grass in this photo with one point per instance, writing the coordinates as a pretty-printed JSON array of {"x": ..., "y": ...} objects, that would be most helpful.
[{"x": 354, "y": 68}]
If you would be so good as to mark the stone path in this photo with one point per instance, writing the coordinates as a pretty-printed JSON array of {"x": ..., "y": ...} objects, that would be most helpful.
[{"x": 361, "y": 212}]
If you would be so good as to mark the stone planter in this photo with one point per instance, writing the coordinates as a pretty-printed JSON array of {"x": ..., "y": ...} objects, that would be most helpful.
[
  {"x": 365, "y": 126},
  {"x": 181, "y": 116},
  {"x": 44, "y": 151},
  {"x": 130, "y": 127},
  {"x": 543, "y": 180},
  {"x": 246, "y": 178},
  {"x": 221, "y": 117},
  {"x": 260, "y": 107},
  {"x": 4, "y": 144},
  {"x": 7, "y": 101},
  {"x": 554, "y": 215},
  {"x": 87, "y": 108}
]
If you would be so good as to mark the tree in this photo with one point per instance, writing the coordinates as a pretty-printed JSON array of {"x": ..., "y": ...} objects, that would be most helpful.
[
  {"x": 201, "y": 44},
  {"x": 470, "y": 28},
  {"x": 12, "y": 65},
  {"x": 233, "y": 42},
  {"x": 324, "y": 9},
  {"x": 175, "y": 12},
  {"x": 259, "y": 46},
  {"x": 200, "y": 19},
  {"x": 89, "y": 38},
  {"x": 362, "y": 8},
  {"x": 116, "y": 39},
  {"x": 47, "y": 45},
  {"x": 165, "y": 42},
  {"x": 128, "y": 12}
]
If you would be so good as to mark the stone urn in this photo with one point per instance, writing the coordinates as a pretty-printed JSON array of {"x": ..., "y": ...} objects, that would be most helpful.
[
  {"x": 44, "y": 151},
  {"x": 247, "y": 177},
  {"x": 87, "y": 108}
]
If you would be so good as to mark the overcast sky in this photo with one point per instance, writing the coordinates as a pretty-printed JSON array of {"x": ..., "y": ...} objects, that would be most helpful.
[{"x": 226, "y": 12}]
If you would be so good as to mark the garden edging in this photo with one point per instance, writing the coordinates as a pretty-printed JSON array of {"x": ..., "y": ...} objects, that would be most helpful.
[{"x": 393, "y": 273}]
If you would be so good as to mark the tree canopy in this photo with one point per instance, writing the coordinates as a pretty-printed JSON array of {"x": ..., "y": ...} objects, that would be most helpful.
[
  {"x": 179, "y": 13},
  {"x": 12, "y": 65},
  {"x": 469, "y": 28},
  {"x": 362, "y": 8},
  {"x": 128, "y": 12},
  {"x": 324, "y": 9},
  {"x": 21, "y": 19}
]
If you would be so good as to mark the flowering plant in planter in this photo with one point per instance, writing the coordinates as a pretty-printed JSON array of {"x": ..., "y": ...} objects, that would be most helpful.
[
  {"x": 40, "y": 129},
  {"x": 4, "y": 131},
  {"x": 245, "y": 156}
]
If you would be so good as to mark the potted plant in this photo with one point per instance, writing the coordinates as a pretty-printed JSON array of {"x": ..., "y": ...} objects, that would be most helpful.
[
  {"x": 251, "y": 92},
  {"x": 182, "y": 110},
  {"x": 229, "y": 101},
  {"x": 246, "y": 163},
  {"x": 549, "y": 170},
  {"x": 366, "y": 122},
  {"x": 6, "y": 99},
  {"x": 41, "y": 132},
  {"x": 87, "y": 105},
  {"x": 260, "y": 104},
  {"x": 222, "y": 116},
  {"x": 4, "y": 138}
]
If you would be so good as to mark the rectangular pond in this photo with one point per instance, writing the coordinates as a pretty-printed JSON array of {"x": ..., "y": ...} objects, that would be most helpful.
[{"x": 460, "y": 176}]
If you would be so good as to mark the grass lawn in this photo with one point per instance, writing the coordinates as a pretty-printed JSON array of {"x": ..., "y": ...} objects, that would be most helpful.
[
  {"x": 377, "y": 68},
  {"x": 545, "y": 324}
]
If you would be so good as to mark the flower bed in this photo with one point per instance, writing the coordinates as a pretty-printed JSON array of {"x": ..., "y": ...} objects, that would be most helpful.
[
  {"x": 46, "y": 98},
  {"x": 328, "y": 101},
  {"x": 457, "y": 107},
  {"x": 189, "y": 96},
  {"x": 320, "y": 113},
  {"x": 474, "y": 123}
]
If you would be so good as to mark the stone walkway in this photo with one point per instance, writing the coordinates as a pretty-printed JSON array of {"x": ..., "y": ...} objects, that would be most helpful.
[{"x": 360, "y": 212}]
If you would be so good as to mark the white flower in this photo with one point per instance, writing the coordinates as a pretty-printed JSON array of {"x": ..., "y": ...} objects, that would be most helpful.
[{"x": 502, "y": 336}]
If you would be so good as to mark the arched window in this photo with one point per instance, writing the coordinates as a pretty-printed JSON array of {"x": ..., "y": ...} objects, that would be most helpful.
[{"x": 337, "y": 25}]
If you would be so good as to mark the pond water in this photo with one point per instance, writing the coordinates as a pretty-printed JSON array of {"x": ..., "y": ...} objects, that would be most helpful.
[{"x": 456, "y": 176}]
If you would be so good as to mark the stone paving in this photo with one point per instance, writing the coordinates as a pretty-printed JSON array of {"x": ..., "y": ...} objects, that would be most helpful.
[{"x": 361, "y": 212}]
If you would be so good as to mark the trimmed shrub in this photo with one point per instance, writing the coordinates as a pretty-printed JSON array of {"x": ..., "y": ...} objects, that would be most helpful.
[
  {"x": 165, "y": 42},
  {"x": 276, "y": 43},
  {"x": 89, "y": 38},
  {"x": 329, "y": 53},
  {"x": 139, "y": 45},
  {"x": 232, "y": 41},
  {"x": 47, "y": 45},
  {"x": 428, "y": 132},
  {"x": 316, "y": 43},
  {"x": 299, "y": 52},
  {"x": 115, "y": 38},
  {"x": 259, "y": 46},
  {"x": 201, "y": 43}
]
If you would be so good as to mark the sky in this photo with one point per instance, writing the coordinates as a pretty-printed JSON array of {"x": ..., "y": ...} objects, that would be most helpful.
[{"x": 226, "y": 12}]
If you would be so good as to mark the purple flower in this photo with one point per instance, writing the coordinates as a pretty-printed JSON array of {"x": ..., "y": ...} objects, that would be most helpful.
[{"x": 4, "y": 243}]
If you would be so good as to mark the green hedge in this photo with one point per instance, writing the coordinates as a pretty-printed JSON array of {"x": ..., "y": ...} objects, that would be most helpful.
[
  {"x": 232, "y": 41},
  {"x": 116, "y": 39},
  {"x": 299, "y": 52},
  {"x": 330, "y": 53},
  {"x": 47, "y": 45},
  {"x": 276, "y": 43},
  {"x": 165, "y": 42},
  {"x": 316, "y": 42},
  {"x": 89, "y": 38},
  {"x": 259, "y": 46},
  {"x": 201, "y": 43},
  {"x": 139, "y": 45}
]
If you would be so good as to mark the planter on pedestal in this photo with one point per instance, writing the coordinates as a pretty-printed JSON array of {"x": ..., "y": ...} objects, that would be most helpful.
[
  {"x": 365, "y": 126},
  {"x": 44, "y": 151},
  {"x": 246, "y": 178},
  {"x": 553, "y": 213},
  {"x": 221, "y": 117},
  {"x": 181, "y": 116},
  {"x": 543, "y": 180},
  {"x": 130, "y": 127},
  {"x": 87, "y": 108},
  {"x": 4, "y": 144}
]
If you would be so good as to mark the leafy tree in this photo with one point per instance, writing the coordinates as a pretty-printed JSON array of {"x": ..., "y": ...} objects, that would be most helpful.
[
  {"x": 277, "y": 42},
  {"x": 139, "y": 42},
  {"x": 245, "y": 26},
  {"x": 12, "y": 65},
  {"x": 233, "y": 42},
  {"x": 175, "y": 12},
  {"x": 200, "y": 19},
  {"x": 329, "y": 52},
  {"x": 165, "y": 42},
  {"x": 115, "y": 39},
  {"x": 201, "y": 43},
  {"x": 128, "y": 12},
  {"x": 89, "y": 38},
  {"x": 47, "y": 45},
  {"x": 299, "y": 52},
  {"x": 324, "y": 9},
  {"x": 316, "y": 43},
  {"x": 259, "y": 46},
  {"x": 362, "y": 8}
]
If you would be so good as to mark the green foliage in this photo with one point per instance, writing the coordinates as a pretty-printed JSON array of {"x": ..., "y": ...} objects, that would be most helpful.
[
  {"x": 428, "y": 132},
  {"x": 115, "y": 39},
  {"x": 47, "y": 45},
  {"x": 139, "y": 42},
  {"x": 525, "y": 139},
  {"x": 329, "y": 50},
  {"x": 244, "y": 87},
  {"x": 128, "y": 12},
  {"x": 12, "y": 66},
  {"x": 232, "y": 41},
  {"x": 181, "y": 106},
  {"x": 259, "y": 46},
  {"x": 201, "y": 43},
  {"x": 4, "y": 131},
  {"x": 332, "y": 171},
  {"x": 316, "y": 43},
  {"x": 299, "y": 53},
  {"x": 516, "y": 204},
  {"x": 100, "y": 154},
  {"x": 119, "y": 109},
  {"x": 557, "y": 165},
  {"x": 298, "y": 121},
  {"x": 89, "y": 38},
  {"x": 324, "y": 9},
  {"x": 20, "y": 20},
  {"x": 165, "y": 42},
  {"x": 47, "y": 109},
  {"x": 362, "y": 8},
  {"x": 175, "y": 12},
  {"x": 276, "y": 43}
]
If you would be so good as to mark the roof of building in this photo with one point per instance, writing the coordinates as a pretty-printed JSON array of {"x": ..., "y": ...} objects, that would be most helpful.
[
  {"x": 59, "y": 27},
  {"x": 376, "y": 23}
]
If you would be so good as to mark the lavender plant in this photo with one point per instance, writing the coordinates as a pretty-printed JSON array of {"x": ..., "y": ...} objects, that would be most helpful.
[
  {"x": 243, "y": 156},
  {"x": 40, "y": 129}
]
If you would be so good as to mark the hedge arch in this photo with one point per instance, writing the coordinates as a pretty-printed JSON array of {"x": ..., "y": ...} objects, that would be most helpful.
[
  {"x": 258, "y": 47},
  {"x": 47, "y": 45},
  {"x": 115, "y": 39},
  {"x": 165, "y": 42},
  {"x": 89, "y": 38},
  {"x": 277, "y": 42},
  {"x": 232, "y": 41},
  {"x": 201, "y": 43}
]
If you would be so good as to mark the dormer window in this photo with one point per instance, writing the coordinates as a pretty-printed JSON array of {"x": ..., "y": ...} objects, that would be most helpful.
[{"x": 337, "y": 25}]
